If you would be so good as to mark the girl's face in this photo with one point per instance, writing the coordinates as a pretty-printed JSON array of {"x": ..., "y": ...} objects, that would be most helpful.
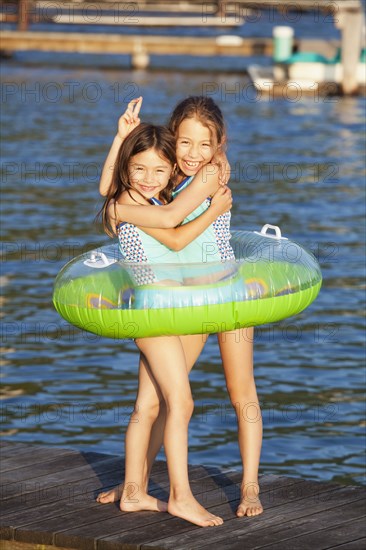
[
  {"x": 149, "y": 173},
  {"x": 195, "y": 146}
]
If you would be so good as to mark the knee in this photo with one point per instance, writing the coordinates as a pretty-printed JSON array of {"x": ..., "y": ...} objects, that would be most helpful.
[
  {"x": 147, "y": 410},
  {"x": 240, "y": 395},
  {"x": 182, "y": 407}
]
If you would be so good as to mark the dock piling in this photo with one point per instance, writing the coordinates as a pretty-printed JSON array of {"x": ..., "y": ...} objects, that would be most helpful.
[
  {"x": 140, "y": 58},
  {"x": 351, "y": 23},
  {"x": 23, "y": 14}
]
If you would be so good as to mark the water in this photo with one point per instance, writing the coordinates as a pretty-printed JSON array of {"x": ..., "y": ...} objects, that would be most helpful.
[{"x": 297, "y": 164}]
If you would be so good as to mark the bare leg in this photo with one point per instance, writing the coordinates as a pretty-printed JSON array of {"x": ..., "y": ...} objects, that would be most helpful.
[
  {"x": 236, "y": 350},
  {"x": 145, "y": 413},
  {"x": 192, "y": 347},
  {"x": 149, "y": 404},
  {"x": 170, "y": 373}
]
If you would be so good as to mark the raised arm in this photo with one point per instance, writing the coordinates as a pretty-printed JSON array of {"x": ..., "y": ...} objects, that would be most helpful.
[
  {"x": 204, "y": 184},
  {"x": 177, "y": 238},
  {"x": 126, "y": 123}
]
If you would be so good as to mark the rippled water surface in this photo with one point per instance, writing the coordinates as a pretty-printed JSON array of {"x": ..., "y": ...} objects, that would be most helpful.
[{"x": 297, "y": 164}]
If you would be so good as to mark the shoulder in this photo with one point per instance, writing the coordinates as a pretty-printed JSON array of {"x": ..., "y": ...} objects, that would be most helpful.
[{"x": 132, "y": 198}]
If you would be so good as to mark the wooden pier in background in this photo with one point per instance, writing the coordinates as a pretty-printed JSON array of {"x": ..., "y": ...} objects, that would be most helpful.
[
  {"x": 348, "y": 17},
  {"x": 48, "y": 499},
  {"x": 140, "y": 47},
  {"x": 127, "y": 44}
]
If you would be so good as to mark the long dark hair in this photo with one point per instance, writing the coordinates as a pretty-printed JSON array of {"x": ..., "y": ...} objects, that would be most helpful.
[{"x": 143, "y": 137}]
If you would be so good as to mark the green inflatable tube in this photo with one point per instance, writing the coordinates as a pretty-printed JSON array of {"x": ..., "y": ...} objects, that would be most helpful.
[{"x": 271, "y": 279}]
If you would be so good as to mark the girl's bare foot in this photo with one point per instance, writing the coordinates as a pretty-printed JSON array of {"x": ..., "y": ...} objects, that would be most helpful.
[
  {"x": 129, "y": 504},
  {"x": 110, "y": 496},
  {"x": 251, "y": 507},
  {"x": 250, "y": 504},
  {"x": 143, "y": 502},
  {"x": 191, "y": 510}
]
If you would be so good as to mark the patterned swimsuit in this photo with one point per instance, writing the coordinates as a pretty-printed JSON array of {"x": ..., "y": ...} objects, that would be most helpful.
[
  {"x": 138, "y": 247},
  {"x": 212, "y": 245}
]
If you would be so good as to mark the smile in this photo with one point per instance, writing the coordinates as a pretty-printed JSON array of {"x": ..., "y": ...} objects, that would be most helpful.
[
  {"x": 192, "y": 164},
  {"x": 148, "y": 189}
]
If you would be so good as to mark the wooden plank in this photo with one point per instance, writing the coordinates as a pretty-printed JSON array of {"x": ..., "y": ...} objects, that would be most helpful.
[
  {"x": 81, "y": 529},
  {"x": 170, "y": 532},
  {"x": 76, "y": 492},
  {"x": 334, "y": 534},
  {"x": 279, "y": 508},
  {"x": 18, "y": 458},
  {"x": 51, "y": 465},
  {"x": 132, "y": 8},
  {"x": 196, "y": 5},
  {"x": 307, "y": 533},
  {"x": 358, "y": 544},
  {"x": 8, "y": 18},
  {"x": 227, "y": 45},
  {"x": 40, "y": 504},
  {"x": 298, "y": 514},
  {"x": 14, "y": 545},
  {"x": 128, "y": 44},
  {"x": 36, "y": 494},
  {"x": 130, "y": 530},
  {"x": 301, "y": 5},
  {"x": 63, "y": 499},
  {"x": 72, "y": 498},
  {"x": 147, "y": 21},
  {"x": 55, "y": 480},
  {"x": 4, "y": 443},
  {"x": 10, "y": 448},
  {"x": 33, "y": 460},
  {"x": 83, "y": 533},
  {"x": 46, "y": 537},
  {"x": 76, "y": 501},
  {"x": 43, "y": 532}
]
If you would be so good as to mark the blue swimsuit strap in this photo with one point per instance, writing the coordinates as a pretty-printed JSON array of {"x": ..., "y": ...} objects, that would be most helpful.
[
  {"x": 153, "y": 200},
  {"x": 182, "y": 183}
]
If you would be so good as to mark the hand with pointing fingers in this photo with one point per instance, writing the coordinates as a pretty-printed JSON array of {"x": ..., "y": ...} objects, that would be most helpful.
[{"x": 130, "y": 118}]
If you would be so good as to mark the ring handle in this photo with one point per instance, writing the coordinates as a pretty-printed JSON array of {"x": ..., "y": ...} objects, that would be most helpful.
[
  {"x": 275, "y": 228},
  {"x": 98, "y": 260}
]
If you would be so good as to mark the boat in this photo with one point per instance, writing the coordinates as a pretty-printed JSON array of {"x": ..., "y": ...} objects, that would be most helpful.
[{"x": 306, "y": 71}]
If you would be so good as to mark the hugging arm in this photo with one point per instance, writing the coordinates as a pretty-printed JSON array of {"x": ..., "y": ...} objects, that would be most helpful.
[
  {"x": 204, "y": 184},
  {"x": 177, "y": 238}
]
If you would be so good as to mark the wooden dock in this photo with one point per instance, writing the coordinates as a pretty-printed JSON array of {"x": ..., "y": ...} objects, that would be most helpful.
[
  {"x": 128, "y": 44},
  {"x": 147, "y": 21},
  {"x": 139, "y": 47},
  {"x": 48, "y": 499}
]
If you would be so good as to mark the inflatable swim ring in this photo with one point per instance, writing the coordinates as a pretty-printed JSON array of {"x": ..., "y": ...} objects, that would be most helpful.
[{"x": 272, "y": 278}]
